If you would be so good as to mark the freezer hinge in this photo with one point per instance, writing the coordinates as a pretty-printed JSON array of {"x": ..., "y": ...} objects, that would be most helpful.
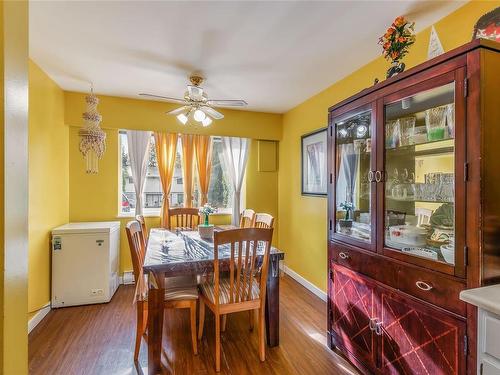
[
  {"x": 466, "y": 87},
  {"x": 331, "y": 178},
  {"x": 466, "y": 171},
  {"x": 466, "y": 344},
  {"x": 466, "y": 256}
]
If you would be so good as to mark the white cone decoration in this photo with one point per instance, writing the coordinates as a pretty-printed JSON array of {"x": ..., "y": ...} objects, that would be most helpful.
[{"x": 93, "y": 138}]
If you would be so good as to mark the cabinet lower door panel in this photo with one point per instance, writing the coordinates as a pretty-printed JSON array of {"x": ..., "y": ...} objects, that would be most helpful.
[
  {"x": 419, "y": 339},
  {"x": 352, "y": 303}
]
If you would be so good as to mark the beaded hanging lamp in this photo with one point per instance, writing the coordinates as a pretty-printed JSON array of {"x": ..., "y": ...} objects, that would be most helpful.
[{"x": 93, "y": 138}]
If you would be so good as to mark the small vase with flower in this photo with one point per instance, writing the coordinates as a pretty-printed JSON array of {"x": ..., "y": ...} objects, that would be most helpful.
[{"x": 206, "y": 230}]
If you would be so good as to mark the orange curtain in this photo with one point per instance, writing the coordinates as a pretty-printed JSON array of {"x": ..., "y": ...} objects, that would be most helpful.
[
  {"x": 203, "y": 152},
  {"x": 166, "y": 149},
  {"x": 187, "y": 167}
]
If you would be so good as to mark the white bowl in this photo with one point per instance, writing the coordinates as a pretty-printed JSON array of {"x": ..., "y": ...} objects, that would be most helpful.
[{"x": 448, "y": 253}]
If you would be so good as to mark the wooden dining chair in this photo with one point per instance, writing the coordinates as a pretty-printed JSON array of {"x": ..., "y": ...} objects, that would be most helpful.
[
  {"x": 263, "y": 221},
  {"x": 242, "y": 288},
  {"x": 185, "y": 218},
  {"x": 142, "y": 221},
  {"x": 177, "y": 294},
  {"x": 247, "y": 218}
]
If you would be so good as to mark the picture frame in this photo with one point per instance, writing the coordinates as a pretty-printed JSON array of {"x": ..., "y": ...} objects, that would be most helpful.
[{"x": 314, "y": 163}]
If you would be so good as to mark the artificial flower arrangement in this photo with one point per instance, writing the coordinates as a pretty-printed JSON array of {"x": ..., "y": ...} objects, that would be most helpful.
[
  {"x": 396, "y": 42},
  {"x": 205, "y": 211}
]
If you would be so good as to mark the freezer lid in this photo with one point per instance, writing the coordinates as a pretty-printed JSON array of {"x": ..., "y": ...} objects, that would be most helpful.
[{"x": 87, "y": 227}]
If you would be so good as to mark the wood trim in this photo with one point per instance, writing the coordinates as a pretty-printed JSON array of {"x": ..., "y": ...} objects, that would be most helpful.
[
  {"x": 38, "y": 317},
  {"x": 306, "y": 283}
]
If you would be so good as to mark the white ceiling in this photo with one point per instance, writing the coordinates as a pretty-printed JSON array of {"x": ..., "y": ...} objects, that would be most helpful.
[{"x": 274, "y": 55}]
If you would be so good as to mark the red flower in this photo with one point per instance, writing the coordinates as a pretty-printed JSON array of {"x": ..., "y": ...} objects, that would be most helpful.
[{"x": 400, "y": 21}]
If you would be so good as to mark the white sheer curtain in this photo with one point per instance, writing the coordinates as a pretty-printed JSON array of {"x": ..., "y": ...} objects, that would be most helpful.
[
  {"x": 346, "y": 182},
  {"x": 138, "y": 151},
  {"x": 235, "y": 155}
]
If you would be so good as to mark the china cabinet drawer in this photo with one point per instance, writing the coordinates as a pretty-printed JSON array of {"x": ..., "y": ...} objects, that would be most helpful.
[
  {"x": 372, "y": 266},
  {"x": 433, "y": 288}
]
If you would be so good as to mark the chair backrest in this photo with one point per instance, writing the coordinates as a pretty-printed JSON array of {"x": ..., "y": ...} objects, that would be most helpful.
[
  {"x": 423, "y": 216},
  {"x": 247, "y": 218},
  {"x": 263, "y": 221},
  {"x": 185, "y": 218},
  {"x": 242, "y": 243},
  {"x": 145, "y": 234},
  {"x": 137, "y": 246}
]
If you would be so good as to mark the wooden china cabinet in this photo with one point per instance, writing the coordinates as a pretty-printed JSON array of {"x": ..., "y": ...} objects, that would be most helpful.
[{"x": 414, "y": 213}]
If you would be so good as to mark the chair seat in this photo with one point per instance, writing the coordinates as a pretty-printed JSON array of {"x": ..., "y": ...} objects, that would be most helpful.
[
  {"x": 181, "y": 293},
  {"x": 208, "y": 290},
  {"x": 177, "y": 288}
]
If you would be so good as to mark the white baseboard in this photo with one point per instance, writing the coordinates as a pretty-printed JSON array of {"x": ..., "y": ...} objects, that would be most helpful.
[
  {"x": 127, "y": 278},
  {"x": 305, "y": 283},
  {"x": 38, "y": 317}
]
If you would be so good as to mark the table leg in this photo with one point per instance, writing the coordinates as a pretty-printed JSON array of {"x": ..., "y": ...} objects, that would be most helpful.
[
  {"x": 156, "y": 298},
  {"x": 273, "y": 307}
]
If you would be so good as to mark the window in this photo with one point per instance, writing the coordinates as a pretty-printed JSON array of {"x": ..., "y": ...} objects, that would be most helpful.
[{"x": 220, "y": 191}]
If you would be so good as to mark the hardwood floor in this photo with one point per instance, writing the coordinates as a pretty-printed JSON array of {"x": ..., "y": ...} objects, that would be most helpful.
[{"x": 99, "y": 339}]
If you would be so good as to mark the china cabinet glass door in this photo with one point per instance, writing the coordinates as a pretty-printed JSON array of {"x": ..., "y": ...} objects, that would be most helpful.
[
  {"x": 353, "y": 170},
  {"x": 423, "y": 194}
]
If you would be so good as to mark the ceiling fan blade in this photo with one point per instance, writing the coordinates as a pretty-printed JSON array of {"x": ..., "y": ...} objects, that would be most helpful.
[
  {"x": 227, "y": 103},
  {"x": 212, "y": 112},
  {"x": 179, "y": 110},
  {"x": 195, "y": 93},
  {"x": 173, "y": 100}
]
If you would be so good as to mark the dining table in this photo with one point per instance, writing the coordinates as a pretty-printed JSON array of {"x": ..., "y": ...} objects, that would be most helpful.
[{"x": 177, "y": 253}]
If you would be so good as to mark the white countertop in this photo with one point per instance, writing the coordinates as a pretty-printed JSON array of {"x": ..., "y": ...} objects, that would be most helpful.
[{"x": 486, "y": 298}]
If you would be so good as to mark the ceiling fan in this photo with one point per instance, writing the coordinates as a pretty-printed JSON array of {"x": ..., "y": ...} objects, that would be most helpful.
[{"x": 196, "y": 104}]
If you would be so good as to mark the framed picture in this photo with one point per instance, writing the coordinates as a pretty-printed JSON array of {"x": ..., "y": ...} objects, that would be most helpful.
[{"x": 314, "y": 153}]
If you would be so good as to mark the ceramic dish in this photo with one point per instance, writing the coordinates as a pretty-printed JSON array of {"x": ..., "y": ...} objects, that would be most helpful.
[{"x": 421, "y": 252}]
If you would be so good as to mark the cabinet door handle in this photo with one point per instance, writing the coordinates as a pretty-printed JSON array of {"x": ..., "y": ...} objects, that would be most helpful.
[
  {"x": 343, "y": 255},
  {"x": 373, "y": 322},
  {"x": 370, "y": 176},
  {"x": 378, "y": 328},
  {"x": 378, "y": 176},
  {"x": 423, "y": 285}
]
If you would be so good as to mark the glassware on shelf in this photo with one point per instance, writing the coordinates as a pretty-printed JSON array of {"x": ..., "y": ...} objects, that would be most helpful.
[
  {"x": 420, "y": 176},
  {"x": 418, "y": 135},
  {"x": 392, "y": 134},
  {"x": 450, "y": 119},
  {"x": 435, "y": 121},
  {"x": 407, "y": 130}
]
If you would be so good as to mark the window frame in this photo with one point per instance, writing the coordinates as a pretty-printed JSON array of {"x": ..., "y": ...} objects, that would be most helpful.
[{"x": 155, "y": 212}]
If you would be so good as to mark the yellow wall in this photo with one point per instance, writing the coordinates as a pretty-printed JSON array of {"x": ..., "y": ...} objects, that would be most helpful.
[
  {"x": 303, "y": 220},
  {"x": 48, "y": 180},
  {"x": 95, "y": 197}
]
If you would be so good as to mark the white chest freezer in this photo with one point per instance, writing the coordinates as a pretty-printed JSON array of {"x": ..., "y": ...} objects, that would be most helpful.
[{"x": 85, "y": 260}]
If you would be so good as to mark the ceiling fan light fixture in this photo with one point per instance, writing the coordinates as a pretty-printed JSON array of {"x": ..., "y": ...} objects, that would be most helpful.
[
  {"x": 199, "y": 115},
  {"x": 206, "y": 121},
  {"x": 182, "y": 118}
]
